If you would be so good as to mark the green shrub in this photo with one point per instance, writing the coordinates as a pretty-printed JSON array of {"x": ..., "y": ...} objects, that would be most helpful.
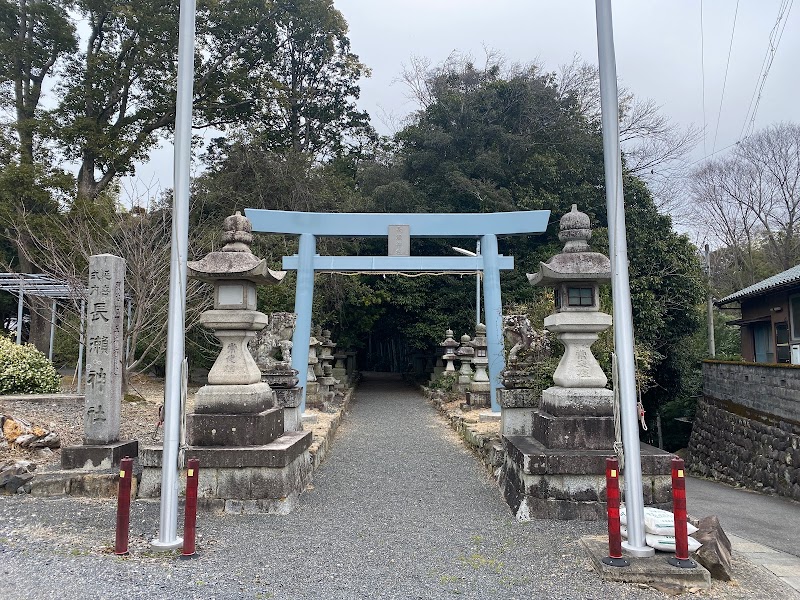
[{"x": 25, "y": 370}]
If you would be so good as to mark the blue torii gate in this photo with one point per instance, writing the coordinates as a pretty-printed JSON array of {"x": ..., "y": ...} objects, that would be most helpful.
[{"x": 485, "y": 226}]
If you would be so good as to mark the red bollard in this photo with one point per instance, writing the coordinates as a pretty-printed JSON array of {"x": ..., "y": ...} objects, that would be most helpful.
[
  {"x": 190, "y": 511},
  {"x": 614, "y": 557},
  {"x": 123, "y": 506},
  {"x": 681, "y": 558}
]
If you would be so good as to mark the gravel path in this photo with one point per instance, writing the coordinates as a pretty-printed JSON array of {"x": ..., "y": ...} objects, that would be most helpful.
[{"x": 400, "y": 509}]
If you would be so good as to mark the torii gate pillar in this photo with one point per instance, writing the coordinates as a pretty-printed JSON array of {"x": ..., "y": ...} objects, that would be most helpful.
[
  {"x": 493, "y": 308},
  {"x": 303, "y": 304}
]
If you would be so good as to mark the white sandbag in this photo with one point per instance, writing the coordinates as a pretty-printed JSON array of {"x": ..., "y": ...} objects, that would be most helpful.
[
  {"x": 665, "y": 543},
  {"x": 657, "y": 521}
]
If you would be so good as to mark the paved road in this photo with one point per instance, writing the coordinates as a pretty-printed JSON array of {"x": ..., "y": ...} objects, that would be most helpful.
[
  {"x": 772, "y": 521},
  {"x": 400, "y": 509}
]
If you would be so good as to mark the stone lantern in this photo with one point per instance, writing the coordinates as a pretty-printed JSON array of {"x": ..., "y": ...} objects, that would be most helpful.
[
  {"x": 579, "y": 391},
  {"x": 557, "y": 471},
  {"x": 449, "y": 345},
  {"x": 234, "y": 382},
  {"x": 237, "y": 431},
  {"x": 465, "y": 352},
  {"x": 480, "y": 388}
]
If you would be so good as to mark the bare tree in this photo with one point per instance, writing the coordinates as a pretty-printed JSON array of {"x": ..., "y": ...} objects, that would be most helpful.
[
  {"x": 62, "y": 249},
  {"x": 750, "y": 201},
  {"x": 655, "y": 148}
]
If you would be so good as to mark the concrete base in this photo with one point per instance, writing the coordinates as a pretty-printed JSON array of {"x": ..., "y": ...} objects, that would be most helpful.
[
  {"x": 101, "y": 456},
  {"x": 76, "y": 482},
  {"x": 567, "y": 484},
  {"x": 269, "y": 477},
  {"x": 655, "y": 571}
]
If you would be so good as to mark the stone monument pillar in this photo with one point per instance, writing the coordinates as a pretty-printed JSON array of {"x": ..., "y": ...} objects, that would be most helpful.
[
  {"x": 313, "y": 396},
  {"x": 104, "y": 364}
]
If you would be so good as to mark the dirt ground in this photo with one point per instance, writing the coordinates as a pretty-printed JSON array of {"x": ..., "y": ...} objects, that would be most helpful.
[{"x": 140, "y": 407}]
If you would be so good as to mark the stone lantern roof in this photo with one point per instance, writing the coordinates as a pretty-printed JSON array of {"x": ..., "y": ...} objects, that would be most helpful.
[
  {"x": 576, "y": 262},
  {"x": 235, "y": 261}
]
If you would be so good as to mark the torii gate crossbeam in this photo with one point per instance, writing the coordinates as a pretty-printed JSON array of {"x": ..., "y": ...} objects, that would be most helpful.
[{"x": 485, "y": 226}]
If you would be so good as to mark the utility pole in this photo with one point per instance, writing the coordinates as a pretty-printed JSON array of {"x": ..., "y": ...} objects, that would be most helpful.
[{"x": 712, "y": 348}]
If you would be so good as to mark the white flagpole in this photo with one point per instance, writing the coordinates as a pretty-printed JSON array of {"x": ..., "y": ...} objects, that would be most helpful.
[
  {"x": 168, "y": 523},
  {"x": 620, "y": 284}
]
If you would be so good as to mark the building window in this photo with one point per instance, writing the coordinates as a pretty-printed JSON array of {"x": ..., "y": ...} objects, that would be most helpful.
[
  {"x": 794, "y": 309},
  {"x": 580, "y": 296}
]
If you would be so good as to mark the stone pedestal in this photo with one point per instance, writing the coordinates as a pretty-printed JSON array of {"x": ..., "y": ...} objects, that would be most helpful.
[
  {"x": 517, "y": 409},
  {"x": 289, "y": 399},
  {"x": 98, "y": 456},
  {"x": 566, "y": 484}
]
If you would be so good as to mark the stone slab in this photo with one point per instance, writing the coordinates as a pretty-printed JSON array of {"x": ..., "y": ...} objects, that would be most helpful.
[
  {"x": 103, "y": 456},
  {"x": 278, "y": 453},
  {"x": 105, "y": 310},
  {"x": 590, "y": 402},
  {"x": 536, "y": 459},
  {"x": 233, "y": 399},
  {"x": 650, "y": 570},
  {"x": 234, "y": 430},
  {"x": 488, "y": 416},
  {"x": 592, "y": 433},
  {"x": 77, "y": 482}
]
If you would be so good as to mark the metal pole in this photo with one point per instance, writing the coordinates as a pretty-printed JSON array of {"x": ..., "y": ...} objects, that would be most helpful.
[
  {"x": 620, "y": 284},
  {"x": 712, "y": 346},
  {"x": 20, "y": 305},
  {"x": 168, "y": 523},
  {"x": 494, "y": 316},
  {"x": 52, "y": 330},
  {"x": 128, "y": 334},
  {"x": 478, "y": 289},
  {"x": 81, "y": 344},
  {"x": 303, "y": 303}
]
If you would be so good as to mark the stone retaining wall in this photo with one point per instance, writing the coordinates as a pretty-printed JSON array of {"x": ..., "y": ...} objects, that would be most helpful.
[
  {"x": 769, "y": 389},
  {"x": 742, "y": 432}
]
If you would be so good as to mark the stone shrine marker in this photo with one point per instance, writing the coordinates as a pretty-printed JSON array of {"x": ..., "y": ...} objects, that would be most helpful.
[
  {"x": 106, "y": 305},
  {"x": 104, "y": 355}
]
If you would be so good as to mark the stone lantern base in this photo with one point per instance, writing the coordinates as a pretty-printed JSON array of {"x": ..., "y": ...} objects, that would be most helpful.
[
  {"x": 248, "y": 462},
  {"x": 569, "y": 484}
]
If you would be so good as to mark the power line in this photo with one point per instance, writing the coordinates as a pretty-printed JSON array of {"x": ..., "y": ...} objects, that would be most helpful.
[
  {"x": 713, "y": 153},
  {"x": 725, "y": 79},
  {"x": 774, "y": 41}
]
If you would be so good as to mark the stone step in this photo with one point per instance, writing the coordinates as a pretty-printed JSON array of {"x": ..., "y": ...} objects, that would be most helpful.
[
  {"x": 278, "y": 453},
  {"x": 234, "y": 430}
]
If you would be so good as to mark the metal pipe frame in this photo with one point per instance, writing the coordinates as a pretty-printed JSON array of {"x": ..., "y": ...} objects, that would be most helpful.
[
  {"x": 303, "y": 305},
  {"x": 493, "y": 307}
]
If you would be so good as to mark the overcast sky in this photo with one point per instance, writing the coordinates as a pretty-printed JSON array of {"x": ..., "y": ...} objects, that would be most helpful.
[{"x": 658, "y": 49}]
